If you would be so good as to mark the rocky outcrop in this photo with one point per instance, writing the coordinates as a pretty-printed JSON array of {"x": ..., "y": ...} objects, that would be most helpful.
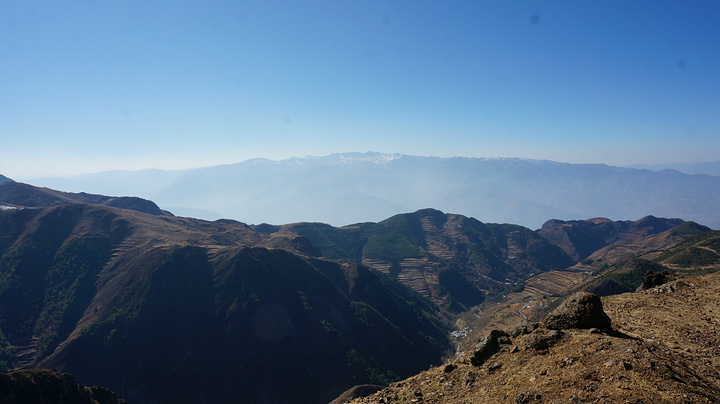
[
  {"x": 42, "y": 386},
  {"x": 488, "y": 345},
  {"x": 610, "y": 287},
  {"x": 581, "y": 310},
  {"x": 524, "y": 329},
  {"x": 542, "y": 339},
  {"x": 653, "y": 279}
]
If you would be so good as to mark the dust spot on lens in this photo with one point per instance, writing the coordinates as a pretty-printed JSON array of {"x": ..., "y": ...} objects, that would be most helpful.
[
  {"x": 271, "y": 323},
  {"x": 535, "y": 18}
]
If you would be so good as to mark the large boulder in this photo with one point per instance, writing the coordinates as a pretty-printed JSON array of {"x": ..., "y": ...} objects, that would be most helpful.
[
  {"x": 581, "y": 310},
  {"x": 488, "y": 346},
  {"x": 653, "y": 279}
]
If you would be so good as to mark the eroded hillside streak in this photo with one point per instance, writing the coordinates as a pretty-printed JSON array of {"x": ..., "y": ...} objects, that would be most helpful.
[{"x": 25, "y": 353}]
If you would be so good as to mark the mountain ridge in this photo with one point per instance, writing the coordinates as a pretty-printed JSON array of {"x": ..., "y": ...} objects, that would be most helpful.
[
  {"x": 26, "y": 195},
  {"x": 707, "y": 168},
  {"x": 452, "y": 259},
  {"x": 349, "y": 188}
]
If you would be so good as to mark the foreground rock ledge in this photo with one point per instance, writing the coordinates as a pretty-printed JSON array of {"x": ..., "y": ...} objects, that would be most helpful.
[{"x": 43, "y": 386}]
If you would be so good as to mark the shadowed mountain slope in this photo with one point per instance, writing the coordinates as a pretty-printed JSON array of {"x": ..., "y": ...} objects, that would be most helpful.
[{"x": 165, "y": 309}]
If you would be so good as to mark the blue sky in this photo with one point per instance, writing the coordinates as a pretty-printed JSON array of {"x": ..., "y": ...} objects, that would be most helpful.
[{"x": 87, "y": 86}]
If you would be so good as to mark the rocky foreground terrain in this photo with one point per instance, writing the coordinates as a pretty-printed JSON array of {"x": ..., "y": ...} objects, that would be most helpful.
[
  {"x": 662, "y": 347},
  {"x": 44, "y": 386}
]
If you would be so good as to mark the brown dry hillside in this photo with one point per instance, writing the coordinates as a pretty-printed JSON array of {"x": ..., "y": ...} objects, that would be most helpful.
[{"x": 664, "y": 349}]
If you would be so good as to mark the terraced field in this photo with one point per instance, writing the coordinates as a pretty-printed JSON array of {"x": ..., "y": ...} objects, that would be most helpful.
[
  {"x": 417, "y": 273},
  {"x": 421, "y": 274}
]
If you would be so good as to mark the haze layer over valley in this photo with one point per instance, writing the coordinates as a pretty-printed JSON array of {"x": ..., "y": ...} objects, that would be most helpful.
[{"x": 341, "y": 189}]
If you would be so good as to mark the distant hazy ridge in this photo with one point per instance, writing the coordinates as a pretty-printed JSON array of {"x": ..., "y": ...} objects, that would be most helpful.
[{"x": 348, "y": 188}]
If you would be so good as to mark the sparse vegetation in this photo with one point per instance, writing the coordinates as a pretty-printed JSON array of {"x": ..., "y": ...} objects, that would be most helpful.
[
  {"x": 7, "y": 354},
  {"x": 689, "y": 229},
  {"x": 634, "y": 276},
  {"x": 69, "y": 288},
  {"x": 454, "y": 285},
  {"x": 387, "y": 245},
  {"x": 695, "y": 257},
  {"x": 106, "y": 329}
]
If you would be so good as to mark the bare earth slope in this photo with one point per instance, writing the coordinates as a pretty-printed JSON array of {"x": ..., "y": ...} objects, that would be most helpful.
[{"x": 664, "y": 350}]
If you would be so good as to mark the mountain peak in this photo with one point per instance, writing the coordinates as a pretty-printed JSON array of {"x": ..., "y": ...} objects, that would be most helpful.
[{"x": 369, "y": 157}]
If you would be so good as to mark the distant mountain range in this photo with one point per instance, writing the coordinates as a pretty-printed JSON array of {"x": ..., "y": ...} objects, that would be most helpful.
[
  {"x": 709, "y": 168},
  {"x": 341, "y": 189}
]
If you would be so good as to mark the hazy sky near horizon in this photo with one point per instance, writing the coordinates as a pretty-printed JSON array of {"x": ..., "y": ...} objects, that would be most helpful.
[{"x": 87, "y": 86}]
